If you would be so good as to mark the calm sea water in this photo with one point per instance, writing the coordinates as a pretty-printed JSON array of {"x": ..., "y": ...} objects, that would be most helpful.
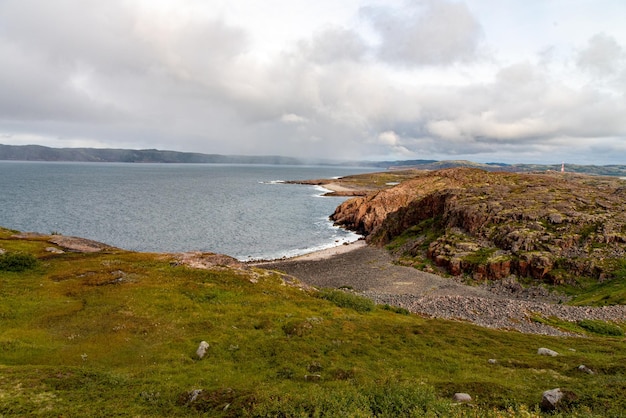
[{"x": 240, "y": 210}]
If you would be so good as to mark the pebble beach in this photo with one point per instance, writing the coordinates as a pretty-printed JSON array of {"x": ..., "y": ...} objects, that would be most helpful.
[{"x": 370, "y": 272}]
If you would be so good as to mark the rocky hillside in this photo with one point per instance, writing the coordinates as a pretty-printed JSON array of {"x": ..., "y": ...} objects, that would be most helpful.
[{"x": 552, "y": 227}]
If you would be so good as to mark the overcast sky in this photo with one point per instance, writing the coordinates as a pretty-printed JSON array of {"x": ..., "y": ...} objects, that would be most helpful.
[{"x": 487, "y": 80}]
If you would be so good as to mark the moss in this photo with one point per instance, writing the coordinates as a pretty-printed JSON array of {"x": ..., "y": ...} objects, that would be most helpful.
[{"x": 480, "y": 257}]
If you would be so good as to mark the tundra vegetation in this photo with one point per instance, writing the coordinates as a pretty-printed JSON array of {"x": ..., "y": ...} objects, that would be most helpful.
[{"x": 115, "y": 333}]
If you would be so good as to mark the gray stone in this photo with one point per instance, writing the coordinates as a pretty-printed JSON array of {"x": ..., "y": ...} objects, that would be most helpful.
[
  {"x": 555, "y": 218},
  {"x": 202, "y": 350},
  {"x": 492, "y": 361},
  {"x": 550, "y": 399},
  {"x": 585, "y": 369},
  {"x": 462, "y": 397},
  {"x": 54, "y": 250},
  {"x": 547, "y": 352},
  {"x": 193, "y": 395}
]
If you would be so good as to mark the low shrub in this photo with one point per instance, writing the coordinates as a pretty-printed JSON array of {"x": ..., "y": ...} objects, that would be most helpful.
[
  {"x": 601, "y": 327},
  {"x": 17, "y": 262},
  {"x": 396, "y": 309},
  {"x": 347, "y": 300},
  {"x": 388, "y": 399}
]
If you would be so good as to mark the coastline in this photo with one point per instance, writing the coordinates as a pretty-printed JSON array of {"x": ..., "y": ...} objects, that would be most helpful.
[
  {"x": 327, "y": 188},
  {"x": 316, "y": 255}
]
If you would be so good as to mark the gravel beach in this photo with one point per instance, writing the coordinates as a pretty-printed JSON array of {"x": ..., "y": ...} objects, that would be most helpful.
[{"x": 370, "y": 272}]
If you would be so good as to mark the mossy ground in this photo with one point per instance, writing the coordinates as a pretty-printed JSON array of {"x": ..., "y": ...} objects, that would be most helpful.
[
  {"x": 377, "y": 181},
  {"x": 115, "y": 334}
]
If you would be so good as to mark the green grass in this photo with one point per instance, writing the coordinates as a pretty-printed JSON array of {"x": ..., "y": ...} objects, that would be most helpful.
[
  {"x": 592, "y": 293},
  {"x": 585, "y": 326},
  {"x": 601, "y": 328},
  {"x": 348, "y": 300},
  {"x": 424, "y": 233},
  {"x": 115, "y": 334}
]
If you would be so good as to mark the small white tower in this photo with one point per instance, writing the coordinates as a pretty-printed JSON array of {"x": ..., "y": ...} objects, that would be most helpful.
[{"x": 563, "y": 167}]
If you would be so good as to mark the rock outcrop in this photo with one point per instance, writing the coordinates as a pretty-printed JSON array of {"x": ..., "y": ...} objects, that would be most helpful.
[{"x": 488, "y": 225}]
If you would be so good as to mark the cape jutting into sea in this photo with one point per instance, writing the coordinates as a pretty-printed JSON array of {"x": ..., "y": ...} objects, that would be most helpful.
[{"x": 245, "y": 211}]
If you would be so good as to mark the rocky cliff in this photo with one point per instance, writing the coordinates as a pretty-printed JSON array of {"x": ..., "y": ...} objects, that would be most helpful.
[{"x": 553, "y": 227}]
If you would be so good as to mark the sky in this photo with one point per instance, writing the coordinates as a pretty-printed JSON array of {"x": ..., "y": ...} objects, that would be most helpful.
[{"x": 514, "y": 81}]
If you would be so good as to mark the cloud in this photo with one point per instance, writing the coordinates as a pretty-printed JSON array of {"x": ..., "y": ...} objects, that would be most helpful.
[
  {"x": 602, "y": 56},
  {"x": 391, "y": 80},
  {"x": 292, "y": 118},
  {"x": 335, "y": 44},
  {"x": 426, "y": 32}
]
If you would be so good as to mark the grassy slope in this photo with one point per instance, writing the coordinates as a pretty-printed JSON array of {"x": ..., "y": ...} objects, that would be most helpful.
[{"x": 75, "y": 341}]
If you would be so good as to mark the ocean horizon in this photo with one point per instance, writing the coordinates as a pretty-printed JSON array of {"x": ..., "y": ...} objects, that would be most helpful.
[{"x": 244, "y": 211}]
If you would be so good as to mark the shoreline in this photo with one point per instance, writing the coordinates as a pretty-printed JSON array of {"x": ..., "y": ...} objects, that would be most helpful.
[
  {"x": 316, "y": 255},
  {"x": 327, "y": 189},
  {"x": 333, "y": 187}
]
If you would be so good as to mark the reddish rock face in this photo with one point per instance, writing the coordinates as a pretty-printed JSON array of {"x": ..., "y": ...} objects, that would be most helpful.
[
  {"x": 492, "y": 225},
  {"x": 499, "y": 269}
]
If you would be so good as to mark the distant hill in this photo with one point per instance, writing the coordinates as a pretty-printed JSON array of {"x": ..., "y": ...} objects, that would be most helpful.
[
  {"x": 604, "y": 170},
  {"x": 41, "y": 153}
]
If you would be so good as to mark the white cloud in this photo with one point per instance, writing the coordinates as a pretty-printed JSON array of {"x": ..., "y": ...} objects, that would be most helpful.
[{"x": 292, "y": 118}]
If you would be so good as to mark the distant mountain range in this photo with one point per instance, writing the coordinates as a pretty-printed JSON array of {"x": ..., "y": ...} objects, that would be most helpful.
[{"x": 41, "y": 153}]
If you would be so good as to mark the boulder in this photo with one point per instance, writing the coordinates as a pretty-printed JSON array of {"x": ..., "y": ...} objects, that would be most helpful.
[
  {"x": 550, "y": 399},
  {"x": 202, "y": 350},
  {"x": 462, "y": 397},
  {"x": 547, "y": 352},
  {"x": 585, "y": 369}
]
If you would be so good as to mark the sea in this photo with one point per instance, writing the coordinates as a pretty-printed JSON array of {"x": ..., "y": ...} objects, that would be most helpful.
[{"x": 245, "y": 211}]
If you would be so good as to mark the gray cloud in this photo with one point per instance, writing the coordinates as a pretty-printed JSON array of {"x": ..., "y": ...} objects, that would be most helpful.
[
  {"x": 602, "y": 55},
  {"x": 335, "y": 44},
  {"x": 427, "y": 32}
]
